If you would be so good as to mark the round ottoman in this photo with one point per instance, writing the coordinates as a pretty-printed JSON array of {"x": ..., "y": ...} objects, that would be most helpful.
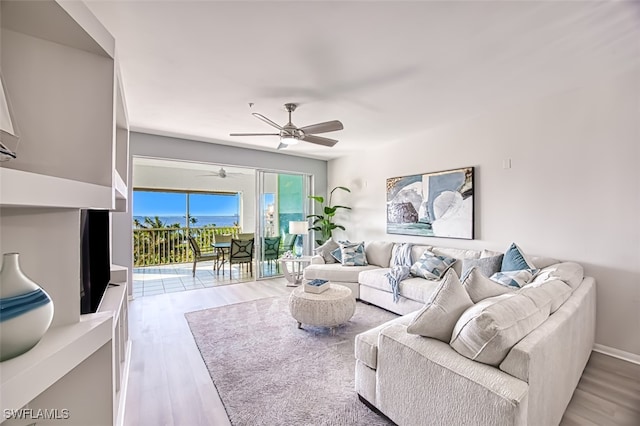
[{"x": 330, "y": 308}]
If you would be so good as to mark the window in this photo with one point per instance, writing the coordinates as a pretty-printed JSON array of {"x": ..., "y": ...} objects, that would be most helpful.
[{"x": 159, "y": 209}]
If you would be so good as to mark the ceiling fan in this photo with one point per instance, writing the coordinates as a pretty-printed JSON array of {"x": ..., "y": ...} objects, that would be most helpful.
[
  {"x": 291, "y": 135},
  {"x": 222, "y": 173}
]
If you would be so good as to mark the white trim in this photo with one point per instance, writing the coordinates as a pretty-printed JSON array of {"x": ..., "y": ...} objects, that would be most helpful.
[
  {"x": 617, "y": 353},
  {"x": 124, "y": 385}
]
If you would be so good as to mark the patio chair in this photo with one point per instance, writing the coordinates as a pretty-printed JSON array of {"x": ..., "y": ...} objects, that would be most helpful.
[
  {"x": 245, "y": 236},
  {"x": 271, "y": 252},
  {"x": 198, "y": 256},
  {"x": 288, "y": 243},
  {"x": 241, "y": 252}
]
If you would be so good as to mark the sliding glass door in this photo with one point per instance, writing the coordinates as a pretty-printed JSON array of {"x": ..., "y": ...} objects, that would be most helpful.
[{"x": 282, "y": 198}]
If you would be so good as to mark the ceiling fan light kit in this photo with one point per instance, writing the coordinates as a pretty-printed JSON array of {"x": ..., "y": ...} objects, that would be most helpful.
[
  {"x": 288, "y": 140},
  {"x": 290, "y": 134}
]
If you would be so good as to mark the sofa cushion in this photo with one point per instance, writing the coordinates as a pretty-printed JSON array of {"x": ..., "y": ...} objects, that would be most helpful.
[
  {"x": 487, "y": 265},
  {"x": 335, "y": 272},
  {"x": 480, "y": 287},
  {"x": 417, "y": 250},
  {"x": 554, "y": 290},
  {"x": 515, "y": 278},
  {"x": 352, "y": 254},
  {"x": 542, "y": 262},
  {"x": 569, "y": 272},
  {"x": 515, "y": 260},
  {"x": 417, "y": 289},
  {"x": 431, "y": 266},
  {"x": 326, "y": 249},
  {"x": 489, "y": 253},
  {"x": 488, "y": 330},
  {"x": 379, "y": 253},
  {"x": 366, "y": 344},
  {"x": 457, "y": 254},
  {"x": 441, "y": 312}
]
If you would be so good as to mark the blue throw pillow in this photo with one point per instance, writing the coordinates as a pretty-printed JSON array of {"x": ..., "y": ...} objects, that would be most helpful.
[
  {"x": 337, "y": 253},
  {"x": 431, "y": 266},
  {"x": 352, "y": 254},
  {"x": 515, "y": 260}
]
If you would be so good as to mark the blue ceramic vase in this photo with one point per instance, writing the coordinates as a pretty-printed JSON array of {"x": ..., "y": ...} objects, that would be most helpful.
[{"x": 26, "y": 310}]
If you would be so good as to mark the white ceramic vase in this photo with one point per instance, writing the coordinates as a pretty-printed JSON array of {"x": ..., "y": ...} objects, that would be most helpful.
[{"x": 26, "y": 310}]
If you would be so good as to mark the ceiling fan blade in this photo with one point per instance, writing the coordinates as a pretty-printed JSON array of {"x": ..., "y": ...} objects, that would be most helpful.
[
  {"x": 327, "y": 126},
  {"x": 266, "y": 120},
  {"x": 254, "y": 134},
  {"x": 319, "y": 140}
]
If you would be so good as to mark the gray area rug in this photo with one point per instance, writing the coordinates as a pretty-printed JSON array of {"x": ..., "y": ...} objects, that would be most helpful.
[{"x": 269, "y": 372}]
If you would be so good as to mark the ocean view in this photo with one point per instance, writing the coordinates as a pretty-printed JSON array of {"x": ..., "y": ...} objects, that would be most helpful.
[{"x": 201, "y": 220}]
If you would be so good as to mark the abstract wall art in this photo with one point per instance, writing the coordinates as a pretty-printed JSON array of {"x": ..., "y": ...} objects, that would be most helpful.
[{"x": 438, "y": 204}]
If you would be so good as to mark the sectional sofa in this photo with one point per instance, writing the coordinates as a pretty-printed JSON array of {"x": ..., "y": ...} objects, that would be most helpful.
[{"x": 513, "y": 379}]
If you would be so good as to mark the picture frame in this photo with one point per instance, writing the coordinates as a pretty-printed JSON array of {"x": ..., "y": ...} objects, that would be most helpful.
[{"x": 435, "y": 204}]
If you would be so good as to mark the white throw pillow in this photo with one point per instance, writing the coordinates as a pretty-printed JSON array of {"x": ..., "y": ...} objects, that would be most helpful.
[
  {"x": 570, "y": 272},
  {"x": 488, "y": 330},
  {"x": 480, "y": 287},
  {"x": 441, "y": 312},
  {"x": 326, "y": 249}
]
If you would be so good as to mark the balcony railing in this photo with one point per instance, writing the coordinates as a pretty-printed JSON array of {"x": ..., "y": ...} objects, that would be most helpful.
[{"x": 162, "y": 246}]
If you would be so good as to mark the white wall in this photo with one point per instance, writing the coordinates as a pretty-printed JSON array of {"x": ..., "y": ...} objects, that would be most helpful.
[{"x": 573, "y": 191}]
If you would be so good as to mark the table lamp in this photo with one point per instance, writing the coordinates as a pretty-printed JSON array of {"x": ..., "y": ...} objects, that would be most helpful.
[{"x": 299, "y": 228}]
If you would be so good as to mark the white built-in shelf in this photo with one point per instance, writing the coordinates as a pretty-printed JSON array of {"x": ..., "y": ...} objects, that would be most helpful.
[
  {"x": 120, "y": 187},
  {"x": 25, "y": 189},
  {"x": 120, "y": 192},
  {"x": 113, "y": 299},
  {"x": 61, "y": 350}
]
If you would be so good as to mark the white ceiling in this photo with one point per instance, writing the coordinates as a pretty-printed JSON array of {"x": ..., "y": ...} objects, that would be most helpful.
[{"x": 388, "y": 70}]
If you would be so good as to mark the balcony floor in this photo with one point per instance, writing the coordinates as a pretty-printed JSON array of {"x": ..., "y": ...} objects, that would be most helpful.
[{"x": 152, "y": 280}]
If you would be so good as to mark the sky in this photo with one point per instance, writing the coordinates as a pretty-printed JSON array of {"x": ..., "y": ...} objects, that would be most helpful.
[{"x": 148, "y": 203}]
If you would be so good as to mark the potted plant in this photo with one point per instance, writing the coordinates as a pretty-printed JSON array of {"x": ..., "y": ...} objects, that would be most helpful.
[{"x": 323, "y": 223}]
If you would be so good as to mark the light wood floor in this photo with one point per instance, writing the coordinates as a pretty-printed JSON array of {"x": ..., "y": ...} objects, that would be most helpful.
[
  {"x": 168, "y": 381},
  {"x": 608, "y": 394},
  {"x": 170, "y": 385}
]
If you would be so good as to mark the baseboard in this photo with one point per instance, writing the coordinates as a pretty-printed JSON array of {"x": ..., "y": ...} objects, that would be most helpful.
[{"x": 617, "y": 353}]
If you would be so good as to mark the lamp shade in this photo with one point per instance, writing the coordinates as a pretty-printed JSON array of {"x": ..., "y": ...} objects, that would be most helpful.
[
  {"x": 298, "y": 227},
  {"x": 6, "y": 123}
]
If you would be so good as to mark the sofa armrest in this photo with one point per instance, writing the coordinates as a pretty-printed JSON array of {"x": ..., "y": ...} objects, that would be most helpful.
[
  {"x": 317, "y": 260},
  {"x": 419, "y": 377},
  {"x": 552, "y": 357}
]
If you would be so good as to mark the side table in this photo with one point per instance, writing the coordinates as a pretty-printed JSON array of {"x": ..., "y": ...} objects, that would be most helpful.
[{"x": 294, "y": 275}]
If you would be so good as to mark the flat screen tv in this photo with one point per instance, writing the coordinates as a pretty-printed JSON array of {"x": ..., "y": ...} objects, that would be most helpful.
[{"x": 95, "y": 253}]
